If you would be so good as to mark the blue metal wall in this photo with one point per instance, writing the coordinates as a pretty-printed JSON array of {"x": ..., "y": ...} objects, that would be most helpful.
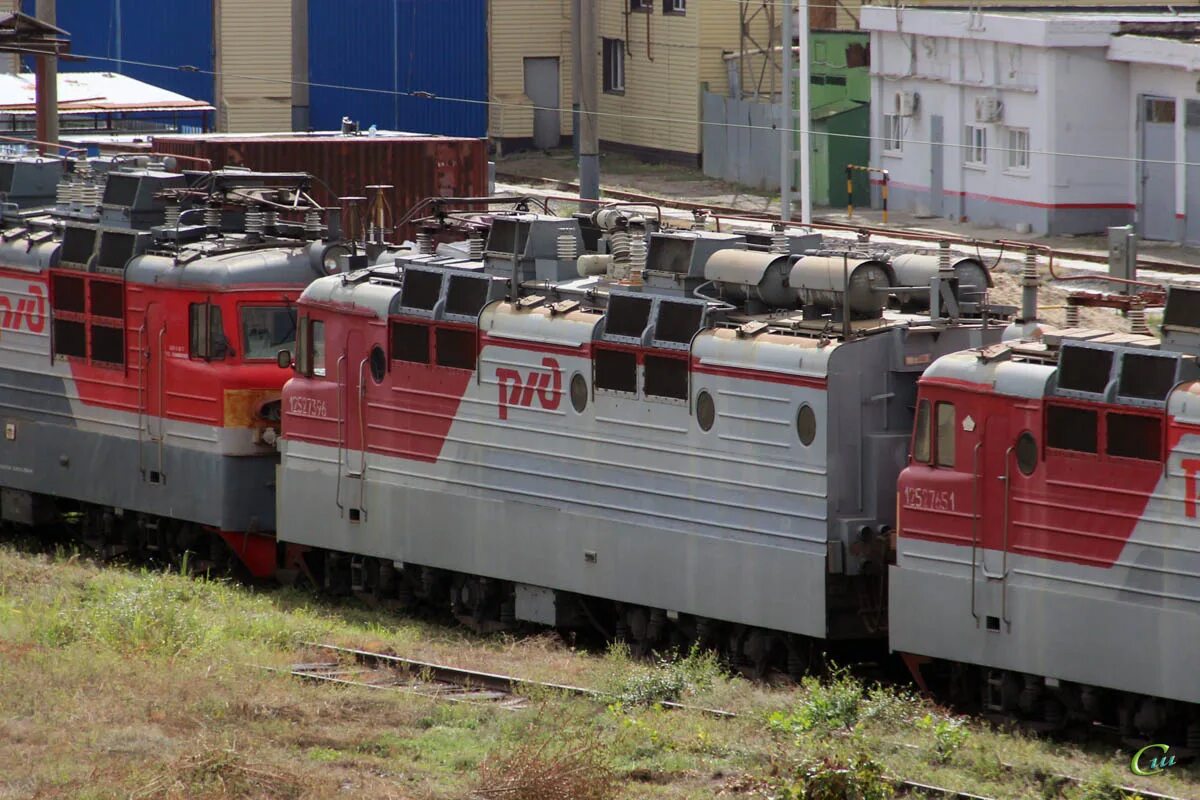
[
  {"x": 170, "y": 32},
  {"x": 435, "y": 46}
]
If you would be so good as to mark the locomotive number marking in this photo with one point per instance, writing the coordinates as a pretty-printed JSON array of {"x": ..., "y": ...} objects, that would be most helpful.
[
  {"x": 545, "y": 385},
  {"x": 29, "y": 314},
  {"x": 307, "y": 407},
  {"x": 929, "y": 499}
]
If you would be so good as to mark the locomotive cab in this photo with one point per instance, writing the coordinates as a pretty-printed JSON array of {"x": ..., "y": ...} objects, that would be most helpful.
[
  {"x": 1046, "y": 522},
  {"x": 150, "y": 309}
]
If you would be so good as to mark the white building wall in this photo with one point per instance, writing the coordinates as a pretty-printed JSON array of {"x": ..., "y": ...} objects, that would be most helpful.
[
  {"x": 1160, "y": 81},
  {"x": 1055, "y": 80}
]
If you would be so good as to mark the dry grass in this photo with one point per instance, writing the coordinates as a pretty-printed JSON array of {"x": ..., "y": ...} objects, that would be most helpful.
[
  {"x": 543, "y": 764},
  {"x": 119, "y": 684}
]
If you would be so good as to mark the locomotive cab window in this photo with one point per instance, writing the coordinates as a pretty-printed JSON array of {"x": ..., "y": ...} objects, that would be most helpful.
[
  {"x": 920, "y": 445},
  {"x": 316, "y": 349},
  {"x": 266, "y": 330},
  {"x": 207, "y": 340},
  {"x": 946, "y": 427}
]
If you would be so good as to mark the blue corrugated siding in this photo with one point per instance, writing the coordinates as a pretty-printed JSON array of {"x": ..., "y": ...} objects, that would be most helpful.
[
  {"x": 435, "y": 46},
  {"x": 170, "y": 32}
]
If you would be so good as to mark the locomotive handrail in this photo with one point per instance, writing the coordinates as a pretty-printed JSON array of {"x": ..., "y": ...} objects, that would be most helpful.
[
  {"x": 975, "y": 529},
  {"x": 362, "y": 436},
  {"x": 162, "y": 431},
  {"x": 143, "y": 357},
  {"x": 1004, "y": 564},
  {"x": 340, "y": 423}
]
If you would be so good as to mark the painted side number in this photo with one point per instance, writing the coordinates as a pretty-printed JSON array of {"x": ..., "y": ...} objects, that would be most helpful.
[{"x": 929, "y": 499}]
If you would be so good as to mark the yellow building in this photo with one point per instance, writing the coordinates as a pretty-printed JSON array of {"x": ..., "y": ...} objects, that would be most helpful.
[{"x": 655, "y": 56}]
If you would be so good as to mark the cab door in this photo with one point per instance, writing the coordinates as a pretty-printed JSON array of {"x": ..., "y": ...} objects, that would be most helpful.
[
  {"x": 152, "y": 392},
  {"x": 994, "y": 479},
  {"x": 352, "y": 374}
]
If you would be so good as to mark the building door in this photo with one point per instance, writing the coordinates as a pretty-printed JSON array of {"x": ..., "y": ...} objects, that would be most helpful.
[
  {"x": 936, "y": 166},
  {"x": 541, "y": 87},
  {"x": 1156, "y": 207},
  {"x": 1192, "y": 140}
]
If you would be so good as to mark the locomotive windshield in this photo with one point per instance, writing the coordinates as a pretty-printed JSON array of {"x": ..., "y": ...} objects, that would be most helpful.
[{"x": 266, "y": 330}]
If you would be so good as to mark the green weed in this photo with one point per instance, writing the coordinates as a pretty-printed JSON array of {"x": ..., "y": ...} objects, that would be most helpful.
[
  {"x": 838, "y": 778},
  {"x": 826, "y": 706},
  {"x": 948, "y": 736}
]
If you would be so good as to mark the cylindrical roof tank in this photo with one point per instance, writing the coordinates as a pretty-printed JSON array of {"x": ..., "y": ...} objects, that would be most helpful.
[
  {"x": 917, "y": 269},
  {"x": 822, "y": 280},
  {"x": 742, "y": 275}
]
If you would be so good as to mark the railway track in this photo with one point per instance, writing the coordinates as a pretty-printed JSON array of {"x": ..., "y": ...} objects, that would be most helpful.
[
  {"x": 387, "y": 671},
  {"x": 926, "y": 237}
]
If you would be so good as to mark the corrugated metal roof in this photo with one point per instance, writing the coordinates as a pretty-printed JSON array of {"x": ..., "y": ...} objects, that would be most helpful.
[{"x": 94, "y": 92}]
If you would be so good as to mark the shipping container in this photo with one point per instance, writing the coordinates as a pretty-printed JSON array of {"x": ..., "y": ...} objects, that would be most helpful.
[
  {"x": 146, "y": 41},
  {"x": 410, "y": 65},
  {"x": 417, "y": 166}
]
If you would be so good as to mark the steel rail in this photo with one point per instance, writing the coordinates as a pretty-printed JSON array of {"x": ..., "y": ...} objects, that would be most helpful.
[
  {"x": 496, "y": 682},
  {"x": 1156, "y": 264}
]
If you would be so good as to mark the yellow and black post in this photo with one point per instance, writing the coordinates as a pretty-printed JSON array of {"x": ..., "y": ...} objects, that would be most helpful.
[
  {"x": 849, "y": 191},
  {"x": 885, "y": 196},
  {"x": 850, "y": 188}
]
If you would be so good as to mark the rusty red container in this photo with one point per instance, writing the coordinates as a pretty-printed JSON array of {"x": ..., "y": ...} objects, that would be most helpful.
[{"x": 416, "y": 165}]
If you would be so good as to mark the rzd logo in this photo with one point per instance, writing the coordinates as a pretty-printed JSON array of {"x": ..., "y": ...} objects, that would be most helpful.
[
  {"x": 545, "y": 384},
  {"x": 29, "y": 314}
]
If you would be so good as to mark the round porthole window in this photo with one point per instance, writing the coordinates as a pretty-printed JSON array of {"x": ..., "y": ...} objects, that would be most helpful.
[
  {"x": 706, "y": 411},
  {"x": 806, "y": 425},
  {"x": 1027, "y": 453},
  {"x": 378, "y": 363},
  {"x": 579, "y": 392}
]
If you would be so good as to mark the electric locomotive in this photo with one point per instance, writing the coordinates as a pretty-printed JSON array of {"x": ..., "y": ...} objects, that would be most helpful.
[
  {"x": 142, "y": 312},
  {"x": 676, "y": 437},
  {"x": 1047, "y": 559}
]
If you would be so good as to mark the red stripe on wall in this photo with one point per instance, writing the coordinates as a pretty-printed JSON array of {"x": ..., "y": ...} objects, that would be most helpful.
[{"x": 1012, "y": 201}]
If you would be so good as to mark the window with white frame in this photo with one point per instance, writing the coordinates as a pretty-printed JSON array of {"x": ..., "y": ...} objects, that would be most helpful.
[
  {"x": 975, "y": 141},
  {"x": 614, "y": 66},
  {"x": 893, "y": 133},
  {"x": 1018, "y": 149},
  {"x": 674, "y": 6}
]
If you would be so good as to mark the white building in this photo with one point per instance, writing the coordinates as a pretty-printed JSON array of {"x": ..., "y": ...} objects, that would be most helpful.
[{"x": 1065, "y": 122}]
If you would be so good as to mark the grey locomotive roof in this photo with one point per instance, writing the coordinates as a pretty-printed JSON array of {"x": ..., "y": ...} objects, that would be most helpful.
[{"x": 222, "y": 267}]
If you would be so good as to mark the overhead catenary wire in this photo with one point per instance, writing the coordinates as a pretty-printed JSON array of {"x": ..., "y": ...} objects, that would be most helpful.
[{"x": 673, "y": 120}]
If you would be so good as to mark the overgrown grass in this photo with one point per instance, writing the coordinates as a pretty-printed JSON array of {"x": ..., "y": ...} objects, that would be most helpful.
[{"x": 122, "y": 683}]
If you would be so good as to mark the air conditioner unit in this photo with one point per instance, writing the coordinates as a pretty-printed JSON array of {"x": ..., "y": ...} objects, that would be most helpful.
[
  {"x": 988, "y": 109},
  {"x": 905, "y": 104}
]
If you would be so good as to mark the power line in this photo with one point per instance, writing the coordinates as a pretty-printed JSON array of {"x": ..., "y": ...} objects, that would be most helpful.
[{"x": 670, "y": 120}]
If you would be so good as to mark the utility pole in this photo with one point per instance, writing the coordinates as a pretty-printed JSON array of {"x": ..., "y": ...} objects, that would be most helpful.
[
  {"x": 47, "y": 83},
  {"x": 785, "y": 127},
  {"x": 805, "y": 120},
  {"x": 589, "y": 123},
  {"x": 575, "y": 77}
]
